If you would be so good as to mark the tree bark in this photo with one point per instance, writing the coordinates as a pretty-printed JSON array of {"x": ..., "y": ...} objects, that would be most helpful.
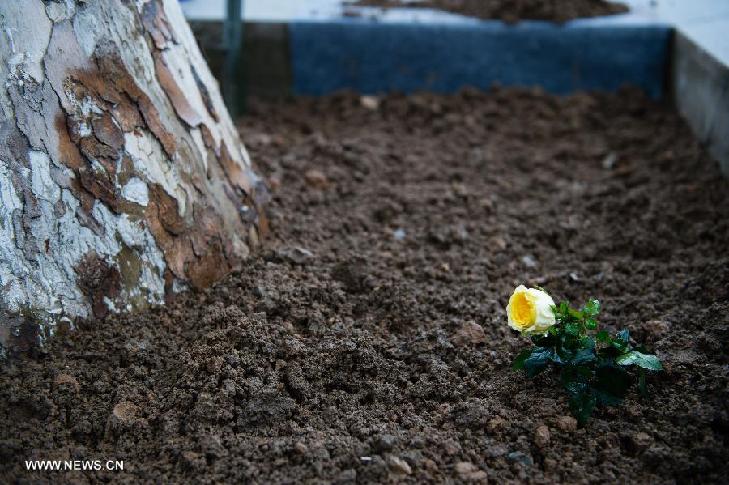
[{"x": 122, "y": 178}]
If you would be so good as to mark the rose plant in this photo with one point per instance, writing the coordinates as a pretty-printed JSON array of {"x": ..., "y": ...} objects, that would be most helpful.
[{"x": 594, "y": 367}]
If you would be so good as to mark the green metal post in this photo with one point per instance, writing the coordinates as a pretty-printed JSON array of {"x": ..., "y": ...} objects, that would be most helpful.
[{"x": 233, "y": 84}]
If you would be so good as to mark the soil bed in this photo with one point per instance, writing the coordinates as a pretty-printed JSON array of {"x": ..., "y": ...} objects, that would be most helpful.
[
  {"x": 374, "y": 324},
  {"x": 510, "y": 10}
]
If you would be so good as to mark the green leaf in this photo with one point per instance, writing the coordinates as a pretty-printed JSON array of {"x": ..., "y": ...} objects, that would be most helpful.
[
  {"x": 555, "y": 357},
  {"x": 622, "y": 340},
  {"x": 591, "y": 308},
  {"x": 583, "y": 356},
  {"x": 590, "y": 323},
  {"x": 623, "y": 336},
  {"x": 603, "y": 336},
  {"x": 575, "y": 314},
  {"x": 584, "y": 371},
  {"x": 519, "y": 361},
  {"x": 574, "y": 387},
  {"x": 562, "y": 311},
  {"x": 646, "y": 361},
  {"x": 544, "y": 340},
  {"x": 582, "y": 401},
  {"x": 572, "y": 329},
  {"x": 612, "y": 381},
  {"x": 537, "y": 361},
  {"x": 587, "y": 342}
]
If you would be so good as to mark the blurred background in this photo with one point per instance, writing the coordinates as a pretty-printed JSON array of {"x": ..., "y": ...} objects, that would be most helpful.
[{"x": 673, "y": 50}]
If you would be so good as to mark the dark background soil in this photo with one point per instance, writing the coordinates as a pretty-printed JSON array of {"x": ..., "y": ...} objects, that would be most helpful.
[
  {"x": 511, "y": 10},
  {"x": 374, "y": 324}
]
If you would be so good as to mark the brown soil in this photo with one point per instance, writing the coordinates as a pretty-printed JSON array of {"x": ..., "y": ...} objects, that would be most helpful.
[
  {"x": 511, "y": 10},
  {"x": 374, "y": 326}
]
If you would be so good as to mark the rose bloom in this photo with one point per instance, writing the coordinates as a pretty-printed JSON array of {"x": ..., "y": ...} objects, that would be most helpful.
[{"x": 530, "y": 310}]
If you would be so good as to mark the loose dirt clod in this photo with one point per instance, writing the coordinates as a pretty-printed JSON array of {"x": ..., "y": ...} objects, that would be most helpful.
[
  {"x": 398, "y": 465},
  {"x": 316, "y": 178},
  {"x": 654, "y": 329},
  {"x": 542, "y": 436},
  {"x": 567, "y": 424},
  {"x": 470, "y": 333},
  {"x": 496, "y": 425},
  {"x": 62, "y": 380},
  {"x": 292, "y": 369},
  {"x": 125, "y": 412},
  {"x": 465, "y": 468},
  {"x": 639, "y": 442}
]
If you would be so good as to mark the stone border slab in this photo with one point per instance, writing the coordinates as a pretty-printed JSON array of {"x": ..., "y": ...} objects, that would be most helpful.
[{"x": 700, "y": 85}]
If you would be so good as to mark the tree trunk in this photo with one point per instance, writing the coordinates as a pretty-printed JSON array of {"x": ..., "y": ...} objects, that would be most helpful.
[{"x": 122, "y": 178}]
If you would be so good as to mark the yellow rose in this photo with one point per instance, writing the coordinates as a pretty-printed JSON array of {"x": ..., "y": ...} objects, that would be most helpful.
[{"x": 530, "y": 310}]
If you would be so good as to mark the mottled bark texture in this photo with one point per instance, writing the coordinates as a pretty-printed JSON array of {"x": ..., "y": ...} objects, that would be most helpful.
[{"x": 122, "y": 178}]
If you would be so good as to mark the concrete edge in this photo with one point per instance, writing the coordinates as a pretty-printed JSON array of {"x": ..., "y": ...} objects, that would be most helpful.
[{"x": 700, "y": 92}]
